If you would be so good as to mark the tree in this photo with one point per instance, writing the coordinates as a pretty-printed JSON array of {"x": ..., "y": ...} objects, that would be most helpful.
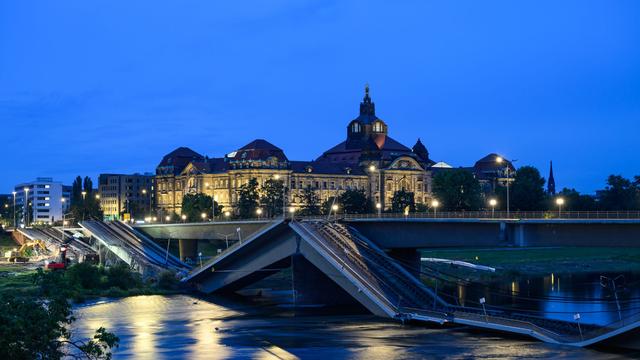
[
  {"x": 37, "y": 326},
  {"x": 574, "y": 201},
  {"x": 310, "y": 202},
  {"x": 248, "y": 197},
  {"x": 354, "y": 202},
  {"x": 620, "y": 194},
  {"x": 84, "y": 203},
  {"x": 457, "y": 189},
  {"x": 272, "y": 197},
  {"x": 528, "y": 190},
  {"x": 194, "y": 205},
  {"x": 403, "y": 200}
]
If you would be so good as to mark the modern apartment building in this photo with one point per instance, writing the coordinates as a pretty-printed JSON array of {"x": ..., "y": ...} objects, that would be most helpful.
[
  {"x": 125, "y": 194},
  {"x": 42, "y": 201}
]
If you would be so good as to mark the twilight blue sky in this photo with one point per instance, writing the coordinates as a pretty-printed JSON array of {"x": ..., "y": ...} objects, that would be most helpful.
[{"x": 89, "y": 87}]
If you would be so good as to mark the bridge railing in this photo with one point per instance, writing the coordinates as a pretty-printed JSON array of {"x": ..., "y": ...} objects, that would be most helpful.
[{"x": 497, "y": 215}]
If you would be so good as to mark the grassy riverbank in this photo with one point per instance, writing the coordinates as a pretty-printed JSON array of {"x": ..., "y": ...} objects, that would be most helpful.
[
  {"x": 511, "y": 263},
  {"x": 84, "y": 281}
]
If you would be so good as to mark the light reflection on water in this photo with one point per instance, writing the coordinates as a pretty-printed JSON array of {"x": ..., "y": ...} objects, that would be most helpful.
[{"x": 183, "y": 327}]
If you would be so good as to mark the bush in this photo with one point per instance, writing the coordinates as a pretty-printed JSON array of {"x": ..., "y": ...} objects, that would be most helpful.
[
  {"x": 84, "y": 275},
  {"x": 123, "y": 277},
  {"x": 167, "y": 280}
]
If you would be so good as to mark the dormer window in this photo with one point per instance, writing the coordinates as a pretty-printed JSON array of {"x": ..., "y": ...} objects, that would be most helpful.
[
  {"x": 377, "y": 127},
  {"x": 355, "y": 127}
]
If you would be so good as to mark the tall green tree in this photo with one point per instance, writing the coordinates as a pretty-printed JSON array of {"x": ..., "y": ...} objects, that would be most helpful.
[
  {"x": 354, "y": 202},
  {"x": 620, "y": 194},
  {"x": 248, "y": 197},
  {"x": 527, "y": 193},
  {"x": 310, "y": 202},
  {"x": 84, "y": 204},
  {"x": 194, "y": 205},
  {"x": 574, "y": 201},
  {"x": 272, "y": 197},
  {"x": 457, "y": 189},
  {"x": 403, "y": 200}
]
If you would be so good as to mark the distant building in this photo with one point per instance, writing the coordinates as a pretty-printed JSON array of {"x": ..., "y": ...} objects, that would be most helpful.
[
  {"x": 551, "y": 183},
  {"x": 44, "y": 200},
  {"x": 121, "y": 193},
  {"x": 368, "y": 159},
  {"x": 493, "y": 170}
]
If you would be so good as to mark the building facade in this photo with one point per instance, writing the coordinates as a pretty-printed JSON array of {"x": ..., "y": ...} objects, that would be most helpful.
[
  {"x": 368, "y": 159},
  {"x": 122, "y": 194},
  {"x": 43, "y": 201}
]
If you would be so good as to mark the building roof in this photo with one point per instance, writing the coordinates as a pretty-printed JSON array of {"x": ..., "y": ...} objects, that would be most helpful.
[
  {"x": 175, "y": 161},
  {"x": 258, "y": 149},
  {"x": 324, "y": 167}
]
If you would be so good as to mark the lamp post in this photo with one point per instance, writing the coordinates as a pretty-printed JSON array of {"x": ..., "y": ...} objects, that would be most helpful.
[
  {"x": 14, "y": 209},
  {"x": 259, "y": 213},
  {"x": 144, "y": 192},
  {"x": 203, "y": 216},
  {"x": 335, "y": 208},
  {"x": 214, "y": 198},
  {"x": 292, "y": 211},
  {"x": 434, "y": 205},
  {"x": 184, "y": 218},
  {"x": 493, "y": 203},
  {"x": 227, "y": 214},
  {"x": 284, "y": 196},
  {"x": 372, "y": 168},
  {"x": 26, "y": 206},
  {"x": 500, "y": 160},
  {"x": 167, "y": 218},
  {"x": 560, "y": 202}
]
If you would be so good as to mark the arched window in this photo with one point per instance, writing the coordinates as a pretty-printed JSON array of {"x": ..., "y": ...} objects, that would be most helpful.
[
  {"x": 355, "y": 127},
  {"x": 377, "y": 126}
]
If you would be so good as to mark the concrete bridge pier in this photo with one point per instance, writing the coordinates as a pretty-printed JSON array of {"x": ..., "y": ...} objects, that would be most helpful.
[
  {"x": 312, "y": 287},
  {"x": 409, "y": 259},
  {"x": 188, "y": 249}
]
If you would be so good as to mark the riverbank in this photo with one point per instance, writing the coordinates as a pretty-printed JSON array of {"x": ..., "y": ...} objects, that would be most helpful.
[{"x": 515, "y": 263}]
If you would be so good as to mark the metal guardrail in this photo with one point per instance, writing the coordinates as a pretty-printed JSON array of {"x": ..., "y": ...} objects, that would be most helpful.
[{"x": 482, "y": 214}]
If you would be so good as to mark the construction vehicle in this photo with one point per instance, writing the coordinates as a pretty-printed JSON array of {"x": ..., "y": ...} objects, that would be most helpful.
[
  {"x": 60, "y": 263},
  {"x": 27, "y": 250}
]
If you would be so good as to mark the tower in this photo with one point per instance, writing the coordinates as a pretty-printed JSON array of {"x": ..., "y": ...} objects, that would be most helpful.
[{"x": 551, "y": 183}]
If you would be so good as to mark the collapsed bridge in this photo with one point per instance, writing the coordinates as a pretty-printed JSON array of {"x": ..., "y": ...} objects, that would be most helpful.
[{"x": 339, "y": 260}]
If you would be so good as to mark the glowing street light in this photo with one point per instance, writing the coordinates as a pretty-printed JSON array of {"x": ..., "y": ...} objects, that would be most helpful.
[
  {"x": 203, "y": 216},
  {"x": 14, "y": 208},
  {"x": 26, "y": 202},
  {"x": 292, "y": 211},
  {"x": 259, "y": 212},
  {"x": 84, "y": 195},
  {"x": 500, "y": 160},
  {"x": 493, "y": 203},
  {"x": 434, "y": 205},
  {"x": 559, "y": 202},
  {"x": 372, "y": 169},
  {"x": 97, "y": 196},
  {"x": 154, "y": 219},
  {"x": 183, "y": 217},
  {"x": 167, "y": 218},
  {"x": 227, "y": 214}
]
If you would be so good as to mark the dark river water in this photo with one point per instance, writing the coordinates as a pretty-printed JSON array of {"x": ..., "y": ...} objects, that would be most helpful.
[{"x": 186, "y": 327}]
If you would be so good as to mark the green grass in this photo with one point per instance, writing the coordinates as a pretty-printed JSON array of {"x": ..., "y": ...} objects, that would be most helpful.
[{"x": 514, "y": 262}]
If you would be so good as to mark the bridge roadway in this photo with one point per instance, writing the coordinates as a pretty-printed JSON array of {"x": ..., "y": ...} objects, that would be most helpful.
[
  {"x": 340, "y": 254},
  {"x": 423, "y": 232}
]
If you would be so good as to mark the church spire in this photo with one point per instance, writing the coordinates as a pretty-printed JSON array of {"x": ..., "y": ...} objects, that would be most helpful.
[
  {"x": 367, "y": 107},
  {"x": 551, "y": 183}
]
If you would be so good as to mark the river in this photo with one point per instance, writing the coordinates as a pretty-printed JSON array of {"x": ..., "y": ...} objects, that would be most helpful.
[{"x": 187, "y": 327}]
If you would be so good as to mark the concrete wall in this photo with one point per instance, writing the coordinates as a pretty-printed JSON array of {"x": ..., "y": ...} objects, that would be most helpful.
[{"x": 203, "y": 230}]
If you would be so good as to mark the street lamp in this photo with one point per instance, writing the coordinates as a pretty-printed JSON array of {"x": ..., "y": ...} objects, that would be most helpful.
[
  {"x": 227, "y": 214},
  {"x": 213, "y": 207},
  {"x": 183, "y": 217},
  {"x": 284, "y": 195},
  {"x": 501, "y": 160},
  {"x": 559, "y": 202},
  {"x": 26, "y": 205},
  {"x": 372, "y": 168},
  {"x": 84, "y": 195},
  {"x": 434, "y": 205},
  {"x": 292, "y": 211},
  {"x": 493, "y": 203},
  {"x": 14, "y": 209},
  {"x": 167, "y": 218},
  {"x": 97, "y": 196},
  {"x": 203, "y": 216},
  {"x": 259, "y": 212}
]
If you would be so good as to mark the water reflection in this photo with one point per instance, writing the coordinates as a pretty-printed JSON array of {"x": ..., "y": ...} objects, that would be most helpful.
[{"x": 183, "y": 327}]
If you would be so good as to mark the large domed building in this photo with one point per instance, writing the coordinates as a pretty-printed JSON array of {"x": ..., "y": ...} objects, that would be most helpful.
[{"x": 368, "y": 159}]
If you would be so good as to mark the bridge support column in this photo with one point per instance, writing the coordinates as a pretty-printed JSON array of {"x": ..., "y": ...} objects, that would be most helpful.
[
  {"x": 188, "y": 249},
  {"x": 408, "y": 258},
  {"x": 519, "y": 238},
  {"x": 312, "y": 287}
]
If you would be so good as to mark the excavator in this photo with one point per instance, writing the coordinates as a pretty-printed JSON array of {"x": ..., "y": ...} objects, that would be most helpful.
[{"x": 27, "y": 250}]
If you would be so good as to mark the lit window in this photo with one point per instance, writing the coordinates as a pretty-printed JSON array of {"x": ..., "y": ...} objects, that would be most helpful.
[
  {"x": 355, "y": 127},
  {"x": 377, "y": 126}
]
